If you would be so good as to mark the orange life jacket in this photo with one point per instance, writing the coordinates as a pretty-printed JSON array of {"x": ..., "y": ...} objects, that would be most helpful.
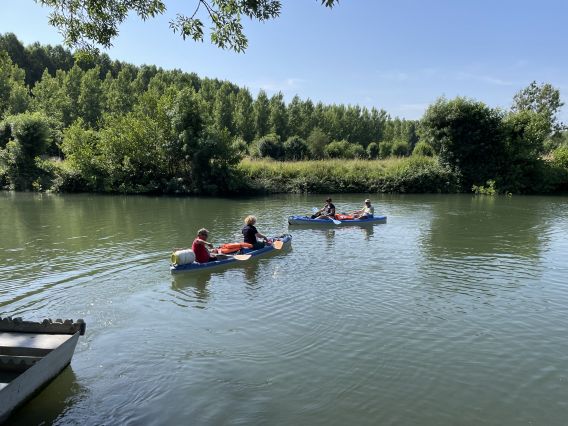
[{"x": 233, "y": 247}]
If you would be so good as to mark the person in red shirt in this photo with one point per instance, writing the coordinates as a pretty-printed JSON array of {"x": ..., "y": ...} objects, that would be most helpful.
[{"x": 199, "y": 248}]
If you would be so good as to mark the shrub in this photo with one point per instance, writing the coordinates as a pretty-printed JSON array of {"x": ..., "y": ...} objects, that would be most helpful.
[
  {"x": 373, "y": 150},
  {"x": 356, "y": 151},
  {"x": 271, "y": 146},
  {"x": 337, "y": 149},
  {"x": 560, "y": 156},
  {"x": 30, "y": 137},
  {"x": 400, "y": 148},
  {"x": 295, "y": 148},
  {"x": 423, "y": 149},
  {"x": 317, "y": 141},
  {"x": 385, "y": 149}
]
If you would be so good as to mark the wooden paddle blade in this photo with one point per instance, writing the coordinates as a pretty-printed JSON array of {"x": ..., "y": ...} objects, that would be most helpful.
[
  {"x": 278, "y": 244},
  {"x": 242, "y": 256}
]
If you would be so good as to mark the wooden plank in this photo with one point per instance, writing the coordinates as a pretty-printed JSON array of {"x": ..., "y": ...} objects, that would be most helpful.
[
  {"x": 17, "y": 363},
  {"x": 32, "y": 340}
]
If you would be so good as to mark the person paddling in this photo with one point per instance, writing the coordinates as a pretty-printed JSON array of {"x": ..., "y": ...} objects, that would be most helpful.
[
  {"x": 251, "y": 234},
  {"x": 326, "y": 212},
  {"x": 366, "y": 212},
  {"x": 202, "y": 255}
]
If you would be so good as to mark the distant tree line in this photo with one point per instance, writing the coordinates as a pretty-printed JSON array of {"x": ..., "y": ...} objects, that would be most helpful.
[
  {"x": 88, "y": 123},
  {"x": 108, "y": 118}
]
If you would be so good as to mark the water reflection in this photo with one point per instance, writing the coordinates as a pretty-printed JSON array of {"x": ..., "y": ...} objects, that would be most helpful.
[
  {"x": 193, "y": 287},
  {"x": 368, "y": 232},
  {"x": 485, "y": 226},
  {"x": 52, "y": 402}
]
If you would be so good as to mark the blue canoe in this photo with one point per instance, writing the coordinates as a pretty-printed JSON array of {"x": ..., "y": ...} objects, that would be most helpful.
[
  {"x": 194, "y": 266},
  {"x": 306, "y": 220}
]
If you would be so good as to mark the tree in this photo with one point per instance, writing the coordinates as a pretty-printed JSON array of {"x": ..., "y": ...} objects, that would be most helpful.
[
  {"x": 14, "y": 97},
  {"x": 423, "y": 149},
  {"x": 317, "y": 141},
  {"x": 243, "y": 116},
  {"x": 295, "y": 148},
  {"x": 468, "y": 136},
  {"x": 30, "y": 136},
  {"x": 87, "y": 23},
  {"x": 90, "y": 101},
  {"x": 542, "y": 99},
  {"x": 119, "y": 96},
  {"x": 278, "y": 118},
  {"x": 261, "y": 109},
  {"x": 271, "y": 146},
  {"x": 49, "y": 96},
  {"x": 373, "y": 150},
  {"x": 223, "y": 108}
]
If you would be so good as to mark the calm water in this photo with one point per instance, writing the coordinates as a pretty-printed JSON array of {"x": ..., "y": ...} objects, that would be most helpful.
[{"x": 453, "y": 313}]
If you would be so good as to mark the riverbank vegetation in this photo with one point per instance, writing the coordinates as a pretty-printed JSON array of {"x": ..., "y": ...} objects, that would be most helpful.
[{"x": 87, "y": 123}]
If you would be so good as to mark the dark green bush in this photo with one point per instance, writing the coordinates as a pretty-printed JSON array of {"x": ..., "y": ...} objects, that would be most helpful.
[{"x": 373, "y": 150}]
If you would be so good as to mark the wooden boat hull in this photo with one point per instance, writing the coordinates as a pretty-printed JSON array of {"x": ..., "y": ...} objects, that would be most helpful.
[
  {"x": 29, "y": 367},
  {"x": 219, "y": 264},
  {"x": 307, "y": 221}
]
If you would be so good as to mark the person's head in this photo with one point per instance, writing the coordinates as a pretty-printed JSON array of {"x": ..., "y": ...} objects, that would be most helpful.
[
  {"x": 203, "y": 233},
  {"x": 328, "y": 200},
  {"x": 367, "y": 202},
  {"x": 250, "y": 220}
]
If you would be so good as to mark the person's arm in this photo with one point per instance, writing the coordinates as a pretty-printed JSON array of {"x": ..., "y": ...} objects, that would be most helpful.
[
  {"x": 200, "y": 241},
  {"x": 259, "y": 235}
]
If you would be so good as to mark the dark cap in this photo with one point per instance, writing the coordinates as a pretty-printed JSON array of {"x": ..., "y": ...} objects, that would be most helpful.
[{"x": 328, "y": 199}]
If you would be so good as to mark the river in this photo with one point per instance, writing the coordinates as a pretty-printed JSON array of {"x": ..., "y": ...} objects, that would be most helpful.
[{"x": 454, "y": 312}]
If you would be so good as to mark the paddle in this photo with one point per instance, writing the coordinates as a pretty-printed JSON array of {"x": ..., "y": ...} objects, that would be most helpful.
[
  {"x": 278, "y": 244},
  {"x": 235, "y": 256},
  {"x": 335, "y": 221}
]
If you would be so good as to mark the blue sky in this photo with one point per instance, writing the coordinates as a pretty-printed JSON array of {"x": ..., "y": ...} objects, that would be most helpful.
[{"x": 399, "y": 56}]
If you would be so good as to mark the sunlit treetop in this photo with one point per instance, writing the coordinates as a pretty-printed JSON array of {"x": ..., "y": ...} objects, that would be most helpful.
[{"x": 87, "y": 24}]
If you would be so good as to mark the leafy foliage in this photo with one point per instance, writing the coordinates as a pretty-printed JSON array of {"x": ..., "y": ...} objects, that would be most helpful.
[
  {"x": 467, "y": 136},
  {"x": 29, "y": 137},
  {"x": 86, "y": 23},
  {"x": 422, "y": 148}
]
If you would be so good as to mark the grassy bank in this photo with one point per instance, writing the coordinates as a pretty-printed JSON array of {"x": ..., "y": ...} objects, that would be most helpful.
[{"x": 411, "y": 175}]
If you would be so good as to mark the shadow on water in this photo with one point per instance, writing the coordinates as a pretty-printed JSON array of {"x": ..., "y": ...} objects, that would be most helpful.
[{"x": 52, "y": 402}]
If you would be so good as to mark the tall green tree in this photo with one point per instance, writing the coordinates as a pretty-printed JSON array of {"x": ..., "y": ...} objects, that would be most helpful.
[
  {"x": 73, "y": 81},
  {"x": 540, "y": 98},
  {"x": 14, "y": 96},
  {"x": 317, "y": 141},
  {"x": 50, "y": 97},
  {"x": 278, "y": 118},
  {"x": 261, "y": 109},
  {"x": 223, "y": 108},
  {"x": 91, "y": 99},
  {"x": 243, "y": 117},
  {"x": 119, "y": 96}
]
